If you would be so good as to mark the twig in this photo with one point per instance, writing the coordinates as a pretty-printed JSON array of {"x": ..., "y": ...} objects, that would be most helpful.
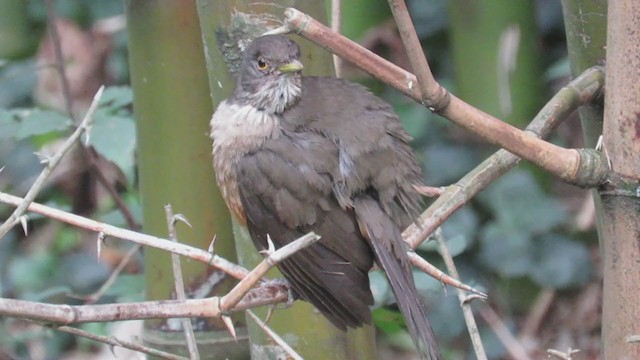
[
  {"x": 208, "y": 307},
  {"x": 234, "y": 296},
  {"x": 568, "y": 355},
  {"x": 179, "y": 284},
  {"x": 584, "y": 167},
  {"x": 92, "y": 159},
  {"x": 278, "y": 340},
  {"x": 513, "y": 346},
  {"x": 92, "y": 298},
  {"x": 437, "y": 274},
  {"x": 59, "y": 64},
  {"x": 88, "y": 153},
  {"x": 51, "y": 164},
  {"x": 584, "y": 89},
  {"x": 539, "y": 310},
  {"x": 228, "y": 267},
  {"x": 432, "y": 94},
  {"x": 114, "y": 341},
  {"x": 472, "y": 327},
  {"x": 336, "y": 23},
  {"x": 429, "y": 191}
]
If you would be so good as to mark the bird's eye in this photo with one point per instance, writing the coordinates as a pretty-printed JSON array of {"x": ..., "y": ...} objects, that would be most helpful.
[{"x": 262, "y": 64}]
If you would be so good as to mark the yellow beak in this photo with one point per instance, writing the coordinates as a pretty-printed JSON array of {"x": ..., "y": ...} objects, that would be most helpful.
[{"x": 293, "y": 66}]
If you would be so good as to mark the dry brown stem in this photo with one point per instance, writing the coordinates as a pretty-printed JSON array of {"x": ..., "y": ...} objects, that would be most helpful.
[{"x": 581, "y": 167}]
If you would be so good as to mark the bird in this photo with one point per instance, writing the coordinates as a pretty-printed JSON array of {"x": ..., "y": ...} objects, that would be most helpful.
[{"x": 294, "y": 154}]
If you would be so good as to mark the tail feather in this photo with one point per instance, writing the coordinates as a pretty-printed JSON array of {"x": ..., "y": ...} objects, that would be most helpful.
[{"x": 389, "y": 248}]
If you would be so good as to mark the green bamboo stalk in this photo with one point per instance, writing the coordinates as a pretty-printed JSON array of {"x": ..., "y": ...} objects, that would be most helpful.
[
  {"x": 300, "y": 325},
  {"x": 484, "y": 32},
  {"x": 172, "y": 109},
  {"x": 585, "y": 23},
  {"x": 17, "y": 38}
]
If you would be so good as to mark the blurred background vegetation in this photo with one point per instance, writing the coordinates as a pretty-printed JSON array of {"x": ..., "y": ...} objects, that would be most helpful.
[{"x": 527, "y": 240}]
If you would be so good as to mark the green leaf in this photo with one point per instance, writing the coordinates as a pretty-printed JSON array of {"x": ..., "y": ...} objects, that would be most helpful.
[
  {"x": 519, "y": 203},
  {"x": 445, "y": 164},
  {"x": 127, "y": 288},
  {"x": 9, "y": 125},
  {"x": 388, "y": 321},
  {"x": 24, "y": 123},
  {"x": 561, "y": 262},
  {"x": 379, "y": 288},
  {"x": 114, "y": 137},
  {"x": 506, "y": 250},
  {"x": 460, "y": 230},
  {"x": 115, "y": 97}
]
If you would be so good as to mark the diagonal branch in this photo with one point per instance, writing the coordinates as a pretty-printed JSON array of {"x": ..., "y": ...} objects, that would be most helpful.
[
  {"x": 51, "y": 164},
  {"x": 104, "y": 230},
  {"x": 582, "y": 90},
  {"x": 583, "y": 167}
]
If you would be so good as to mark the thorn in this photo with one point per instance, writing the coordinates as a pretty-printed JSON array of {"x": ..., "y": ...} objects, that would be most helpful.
[
  {"x": 2, "y": 168},
  {"x": 182, "y": 218},
  {"x": 270, "y": 247},
  {"x": 229, "y": 324},
  {"x": 600, "y": 143},
  {"x": 212, "y": 244},
  {"x": 44, "y": 159},
  {"x": 112, "y": 347},
  {"x": 100, "y": 241},
  {"x": 469, "y": 298},
  {"x": 87, "y": 135},
  {"x": 270, "y": 311},
  {"x": 23, "y": 222}
]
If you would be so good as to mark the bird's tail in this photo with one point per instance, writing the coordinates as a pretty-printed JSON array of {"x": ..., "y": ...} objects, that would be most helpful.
[{"x": 390, "y": 250}]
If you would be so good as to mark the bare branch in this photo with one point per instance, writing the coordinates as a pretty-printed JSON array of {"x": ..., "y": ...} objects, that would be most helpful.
[
  {"x": 207, "y": 307},
  {"x": 584, "y": 89},
  {"x": 437, "y": 274},
  {"x": 513, "y": 346},
  {"x": 114, "y": 341},
  {"x": 51, "y": 164},
  {"x": 432, "y": 94},
  {"x": 92, "y": 298},
  {"x": 234, "y": 296},
  {"x": 278, "y": 340},
  {"x": 582, "y": 167},
  {"x": 228, "y": 267},
  {"x": 472, "y": 327},
  {"x": 179, "y": 283}
]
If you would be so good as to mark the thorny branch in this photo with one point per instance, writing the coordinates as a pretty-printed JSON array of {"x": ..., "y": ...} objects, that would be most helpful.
[
  {"x": 52, "y": 162},
  {"x": 179, "y": 282},
  {"x": 207, "y": 307}
]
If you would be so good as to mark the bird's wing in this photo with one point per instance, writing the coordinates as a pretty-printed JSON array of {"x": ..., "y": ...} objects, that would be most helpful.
[
  {"x": 373, "y": 147},
  {"x": 286, "y": 191}
]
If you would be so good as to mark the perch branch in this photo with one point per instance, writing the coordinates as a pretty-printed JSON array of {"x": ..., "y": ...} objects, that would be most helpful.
[
  {"x": 207, "y": 307},
  {"x": 583, "y": 167}
]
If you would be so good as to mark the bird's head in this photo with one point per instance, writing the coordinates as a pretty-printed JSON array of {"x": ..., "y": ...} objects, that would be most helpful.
[{"x": 270, "y": 77}]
